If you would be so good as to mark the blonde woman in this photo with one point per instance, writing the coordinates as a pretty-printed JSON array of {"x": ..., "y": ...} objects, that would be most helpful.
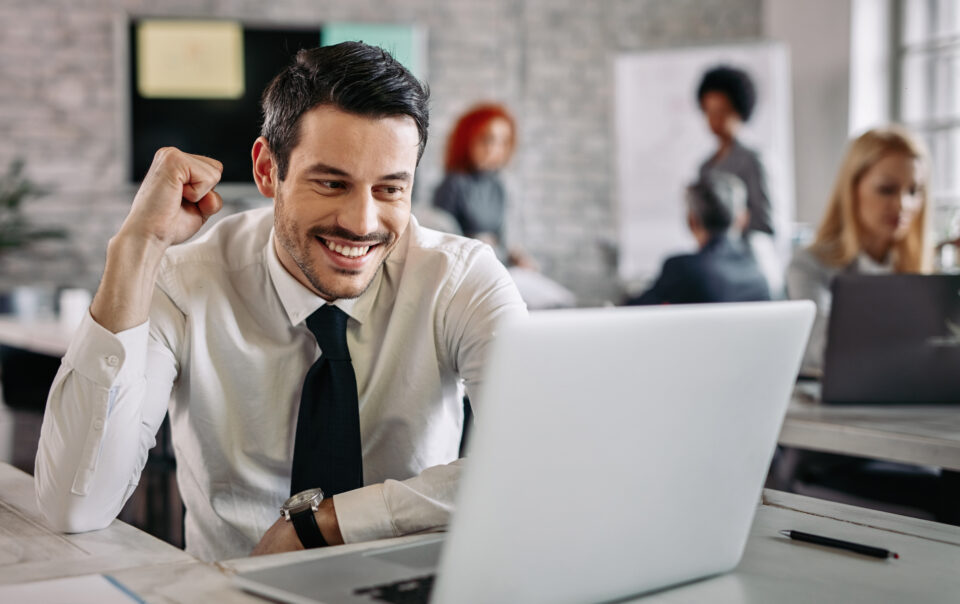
[{"x": 875, "y": 223}]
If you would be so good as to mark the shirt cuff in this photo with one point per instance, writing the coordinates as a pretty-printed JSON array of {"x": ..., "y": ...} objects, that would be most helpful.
[
  {"x": 108, "y": 358},
  {"x": 363, "y": 515}
]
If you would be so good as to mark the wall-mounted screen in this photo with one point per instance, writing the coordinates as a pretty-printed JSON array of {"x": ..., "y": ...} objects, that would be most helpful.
[{"x": 196, "y": 85}]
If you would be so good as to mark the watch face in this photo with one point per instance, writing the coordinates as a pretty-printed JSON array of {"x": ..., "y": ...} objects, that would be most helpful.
[{"x": 303, "y": 499}]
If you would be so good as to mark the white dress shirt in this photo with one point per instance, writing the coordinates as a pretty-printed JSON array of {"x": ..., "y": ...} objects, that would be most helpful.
[{"x": 226, "y": 349}]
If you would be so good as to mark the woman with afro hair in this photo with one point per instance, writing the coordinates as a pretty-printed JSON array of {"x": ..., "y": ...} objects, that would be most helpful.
[{"x": 727, "y": 96}]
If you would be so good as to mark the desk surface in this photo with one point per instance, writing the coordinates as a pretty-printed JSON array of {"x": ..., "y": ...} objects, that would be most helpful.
[
  {"x": 773, "y": 569},
  {"x": 920, "y": 435},
  {"x": 44, "y": 336},
  {"x": 30, "y": 551}
]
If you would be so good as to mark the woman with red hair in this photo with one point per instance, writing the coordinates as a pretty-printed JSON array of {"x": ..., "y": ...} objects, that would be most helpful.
[{"x": 481, "y": 144}]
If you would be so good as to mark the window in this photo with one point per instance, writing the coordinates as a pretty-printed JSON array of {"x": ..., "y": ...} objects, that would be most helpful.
[{"x": 927, "y": 97}]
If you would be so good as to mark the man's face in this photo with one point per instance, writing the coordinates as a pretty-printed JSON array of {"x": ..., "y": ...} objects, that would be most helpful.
[{"x": 345, "y": 200}]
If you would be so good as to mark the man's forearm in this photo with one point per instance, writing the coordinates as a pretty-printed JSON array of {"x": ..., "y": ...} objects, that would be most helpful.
[
  {"x": 123, "y": 299},
  {"x": 172, "y": 204},
  {"x": 326, "y": 517}
]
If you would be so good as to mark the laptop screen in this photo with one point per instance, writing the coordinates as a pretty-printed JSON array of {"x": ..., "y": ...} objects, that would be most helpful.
[{"x": 893, "y": 339}]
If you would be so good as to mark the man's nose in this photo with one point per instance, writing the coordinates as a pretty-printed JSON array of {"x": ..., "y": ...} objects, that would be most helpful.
[{"x": 359, "y": 215}]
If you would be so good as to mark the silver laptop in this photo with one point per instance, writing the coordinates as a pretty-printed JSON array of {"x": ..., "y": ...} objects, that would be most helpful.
[
  {"x": 893, "y": 339},
  {"x": 616, "y": 452}
]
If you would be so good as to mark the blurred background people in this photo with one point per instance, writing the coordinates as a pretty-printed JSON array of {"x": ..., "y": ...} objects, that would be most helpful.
[
  {"x": 875, "y": 223},
  {"x": 727, "y": 97},
  {"x": 480, "y": 145},
  {"x": 724, "y": 269}
]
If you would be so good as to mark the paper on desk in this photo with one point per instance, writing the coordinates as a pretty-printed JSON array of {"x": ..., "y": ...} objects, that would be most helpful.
[{"x": 85, "y": 589}]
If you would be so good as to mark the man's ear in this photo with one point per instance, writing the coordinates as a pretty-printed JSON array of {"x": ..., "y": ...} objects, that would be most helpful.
[
  {"x": 264, "y": 168},
  {"x": 693, "y": 223}
]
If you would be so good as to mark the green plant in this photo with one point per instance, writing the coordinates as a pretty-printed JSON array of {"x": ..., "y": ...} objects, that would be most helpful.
[{"x": 15, "y": 230}]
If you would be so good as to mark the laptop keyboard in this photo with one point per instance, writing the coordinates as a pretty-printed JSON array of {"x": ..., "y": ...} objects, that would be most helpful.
[{"x": 407, "y": 591}]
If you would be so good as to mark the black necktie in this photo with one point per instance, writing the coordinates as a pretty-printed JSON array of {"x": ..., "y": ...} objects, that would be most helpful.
[{"x": 326, "y": 450}]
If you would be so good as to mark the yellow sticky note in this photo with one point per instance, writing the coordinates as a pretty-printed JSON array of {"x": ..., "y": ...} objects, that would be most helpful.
[{"x": 190, "y": 59}]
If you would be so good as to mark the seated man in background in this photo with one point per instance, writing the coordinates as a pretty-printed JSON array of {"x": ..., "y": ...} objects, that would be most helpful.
[
  {"x": 321, "y": 343},
  {"x": 724, "y": 269}
]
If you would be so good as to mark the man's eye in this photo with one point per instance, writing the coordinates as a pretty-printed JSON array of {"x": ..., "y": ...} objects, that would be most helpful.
[
  {"x": 391, "y": 191},
  {"x": 329, "y": 184}
]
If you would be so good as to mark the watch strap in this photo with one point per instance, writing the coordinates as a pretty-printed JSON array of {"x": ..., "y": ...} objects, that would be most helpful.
[{"x": 305, "y": 523}]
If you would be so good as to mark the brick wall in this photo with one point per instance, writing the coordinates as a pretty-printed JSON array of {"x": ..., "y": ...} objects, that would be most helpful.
[{"x": 549, "y": 60}]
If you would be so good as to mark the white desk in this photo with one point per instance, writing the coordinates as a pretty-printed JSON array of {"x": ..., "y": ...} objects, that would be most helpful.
[
  {"x": 30, "y": 551},
  {"x": 773, "y": 569},
  {"x": 919, "y": 435},
  {"x": 43, "y": 336}
]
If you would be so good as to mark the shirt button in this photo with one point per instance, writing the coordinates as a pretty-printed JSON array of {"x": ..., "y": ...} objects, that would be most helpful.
[
  {"x": 98, "y": 424},
  {"x": 113, "y": 360}
]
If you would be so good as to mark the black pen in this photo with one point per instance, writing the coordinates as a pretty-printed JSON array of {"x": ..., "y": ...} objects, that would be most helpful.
[{"x": 866, "y": 550}]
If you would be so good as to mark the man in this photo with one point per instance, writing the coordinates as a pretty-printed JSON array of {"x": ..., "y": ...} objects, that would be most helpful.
[
  {"x": 225, "y": 330},
  {"x": 724, "y": 269}
]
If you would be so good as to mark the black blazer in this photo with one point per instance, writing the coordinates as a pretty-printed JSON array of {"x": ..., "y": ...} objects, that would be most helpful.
[{"x": 723, "y": 271}]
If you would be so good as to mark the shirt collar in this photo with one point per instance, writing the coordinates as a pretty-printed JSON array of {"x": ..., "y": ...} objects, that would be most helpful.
[
  {"x": 725, "y": 239},
  {"x": 868, "y": 266},
  {"x": 299, "y": 302}
]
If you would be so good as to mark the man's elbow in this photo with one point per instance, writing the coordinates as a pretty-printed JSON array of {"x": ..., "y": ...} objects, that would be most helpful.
[{"x": 69, "y": 513}]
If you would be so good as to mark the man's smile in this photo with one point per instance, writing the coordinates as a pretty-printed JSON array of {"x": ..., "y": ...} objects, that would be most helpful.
[{"x": 346, "y": 250}]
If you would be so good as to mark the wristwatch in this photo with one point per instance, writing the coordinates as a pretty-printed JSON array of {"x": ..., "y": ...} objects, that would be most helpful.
[{"x": 300, "y": 509}]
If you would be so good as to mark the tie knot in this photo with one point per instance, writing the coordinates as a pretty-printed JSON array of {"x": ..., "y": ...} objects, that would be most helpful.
[{"x": 329, "y": 326}]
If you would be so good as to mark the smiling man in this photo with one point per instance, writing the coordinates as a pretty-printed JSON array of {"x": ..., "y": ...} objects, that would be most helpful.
[
  {"x": 332, "y": 249},
  {"x": 312, "y": 355}
]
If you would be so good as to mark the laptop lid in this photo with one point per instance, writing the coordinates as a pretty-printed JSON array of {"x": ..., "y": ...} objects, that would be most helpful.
[
  {"x": 893, "y": 339},
  {"x": 618, "y": 451}
]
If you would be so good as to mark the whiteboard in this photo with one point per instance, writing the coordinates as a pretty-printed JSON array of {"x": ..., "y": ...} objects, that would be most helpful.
[{"x": 662, "y": 138}]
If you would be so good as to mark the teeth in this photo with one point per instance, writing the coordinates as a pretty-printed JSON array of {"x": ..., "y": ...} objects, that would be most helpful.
[{"x": 348, "y": 251}]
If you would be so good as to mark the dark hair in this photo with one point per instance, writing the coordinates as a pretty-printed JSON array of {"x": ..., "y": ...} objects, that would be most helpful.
[
  {"x": 716, "y": 200},
  {"x": 735, "y": 84},
  {"x": 352, "y": 76}
]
